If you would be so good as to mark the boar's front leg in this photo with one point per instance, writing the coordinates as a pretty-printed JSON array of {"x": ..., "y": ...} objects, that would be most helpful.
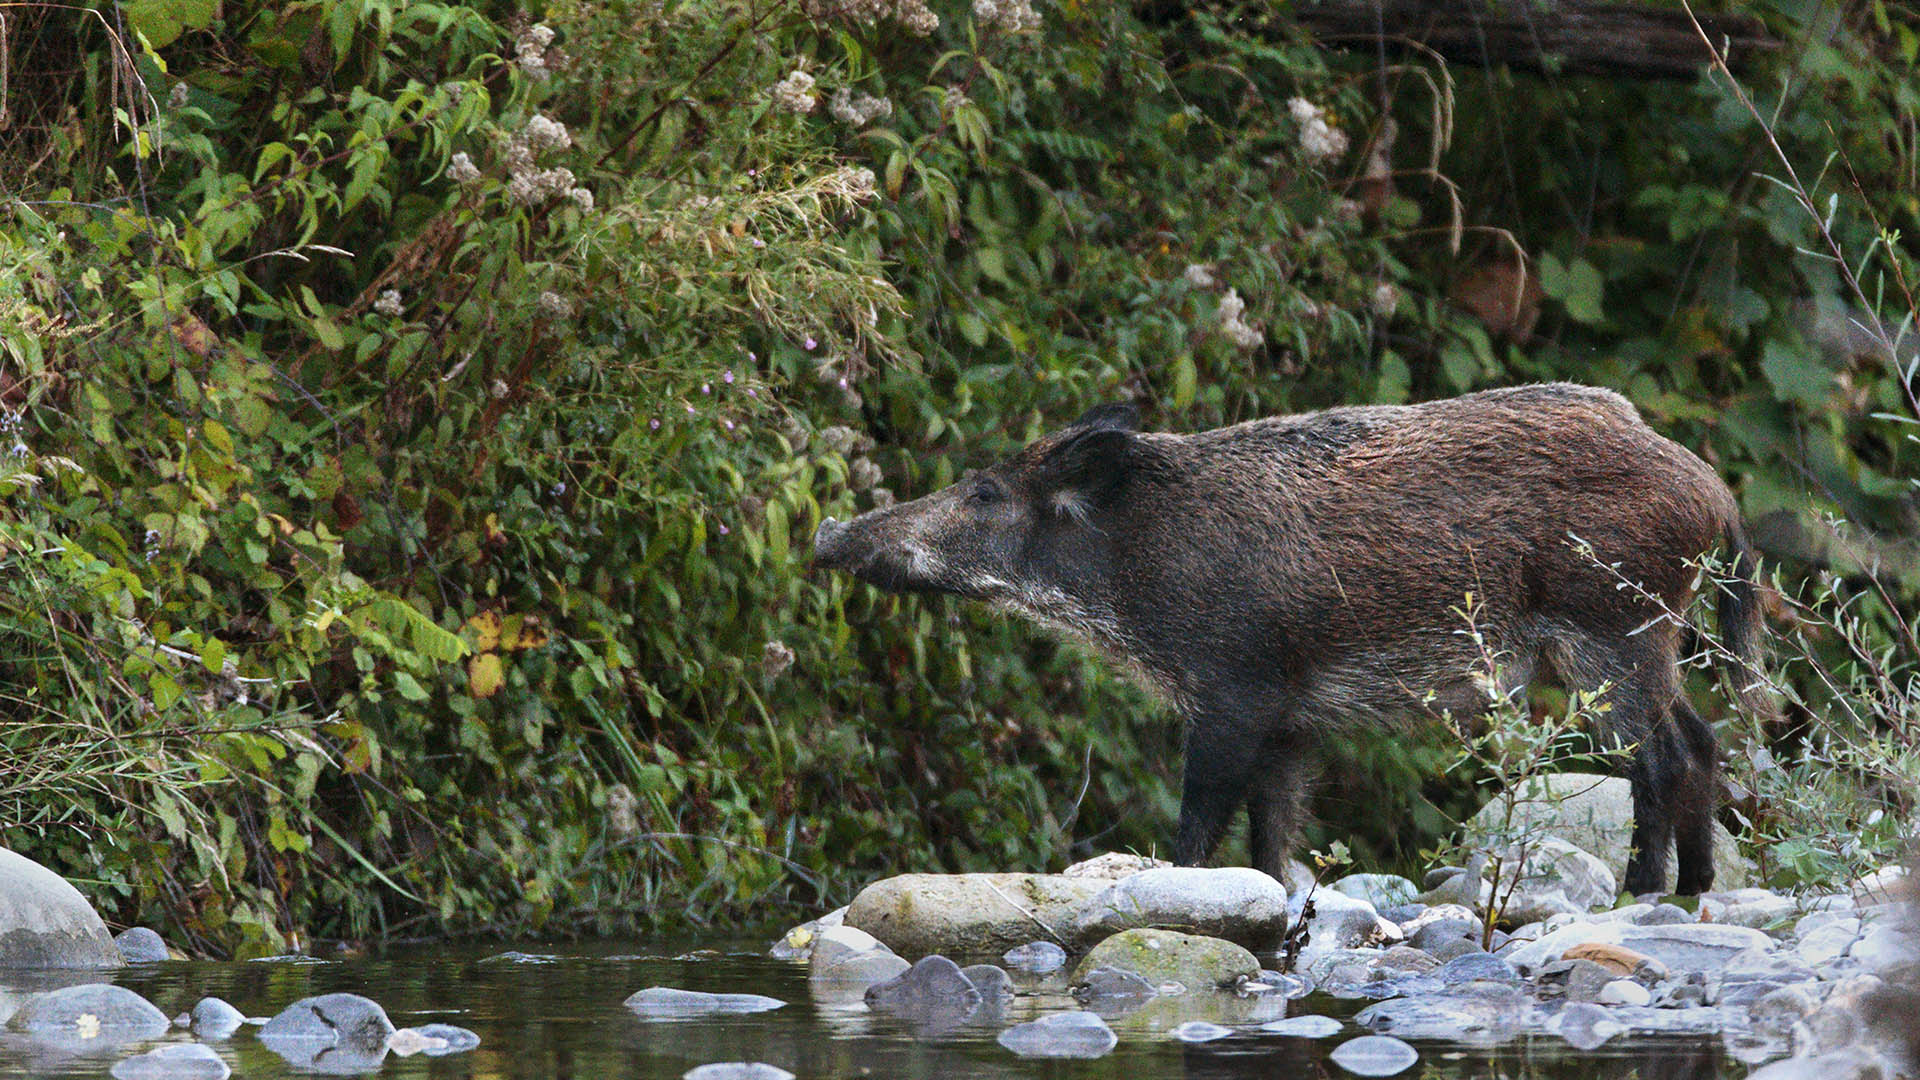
[
  {"x": 1277, "y": 802},
  {"x": 1223, "y": 759}
]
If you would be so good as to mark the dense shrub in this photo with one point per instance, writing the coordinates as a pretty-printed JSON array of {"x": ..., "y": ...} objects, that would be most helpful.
[{"x": 421, "y": 411}]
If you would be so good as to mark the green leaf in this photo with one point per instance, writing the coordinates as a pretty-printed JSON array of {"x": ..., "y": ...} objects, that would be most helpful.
[
  {"x": 1583, "y": 289},
  {"x": 972, "y": 327},
  {"x": 1185, "y": 379},
  {"x": 1796, "y": 376},
  {"x": 409, "y": 687},
  {"x": 162, "y": 21}
]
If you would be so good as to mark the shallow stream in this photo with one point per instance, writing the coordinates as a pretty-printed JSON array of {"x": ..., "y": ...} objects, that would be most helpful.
[{"x": 556, "y": 1013}]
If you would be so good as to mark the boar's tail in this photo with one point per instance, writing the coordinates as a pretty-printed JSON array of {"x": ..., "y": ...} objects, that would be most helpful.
[{"x": 1741, "y": 628}]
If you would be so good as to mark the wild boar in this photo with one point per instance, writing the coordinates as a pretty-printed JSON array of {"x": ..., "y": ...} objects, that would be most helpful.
[{"x": 1280, "y": 578}]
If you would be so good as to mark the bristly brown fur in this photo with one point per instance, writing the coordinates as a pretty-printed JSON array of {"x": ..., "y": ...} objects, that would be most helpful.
[{"x": 1279, "y": 578}]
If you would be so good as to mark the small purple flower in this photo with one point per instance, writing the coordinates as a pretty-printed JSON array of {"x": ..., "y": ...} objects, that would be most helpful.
[
  {"x": 729, "y": 424},
  {"x": 753, "y": 172},
  {"x": 724, "y": 530},
  {"x": 727, "y": 376},
  {"x": 653, "y": 424},
  {"x": 706, "y": 388},
  {"x": 843, "y": 382},
  {"x": 759, "y": 243},
  {"x": 751, "y": 357},
  {"x": 691, "y": 411},
  {"x": 751, "y": 393},
  {"x": 810, "y": 343}
]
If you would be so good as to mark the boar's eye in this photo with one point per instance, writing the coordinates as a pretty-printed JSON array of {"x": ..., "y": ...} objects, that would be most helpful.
[{"x": 986, "y": 491}]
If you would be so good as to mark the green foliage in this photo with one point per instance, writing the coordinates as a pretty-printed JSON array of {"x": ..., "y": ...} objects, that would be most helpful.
[{"x": 422, "y": 413}]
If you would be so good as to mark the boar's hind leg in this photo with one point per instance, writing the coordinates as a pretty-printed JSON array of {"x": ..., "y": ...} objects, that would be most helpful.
[
  {"x": 1277, "y": 804},
  {"x": 1695, "y": 799}
]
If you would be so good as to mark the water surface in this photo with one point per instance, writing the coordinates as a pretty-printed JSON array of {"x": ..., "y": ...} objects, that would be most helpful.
[{"x": 561, "y": 1018}]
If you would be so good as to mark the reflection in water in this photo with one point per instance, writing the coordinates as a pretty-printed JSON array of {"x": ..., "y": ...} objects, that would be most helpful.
[{"x": 563, "y": 1019}]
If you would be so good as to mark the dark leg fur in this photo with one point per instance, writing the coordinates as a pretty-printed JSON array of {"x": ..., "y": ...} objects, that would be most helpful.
[
  {"x": 1695, "y": 799},
  {"x": 1220, "y": 767},
  {"x": 1277, "y": 805}
]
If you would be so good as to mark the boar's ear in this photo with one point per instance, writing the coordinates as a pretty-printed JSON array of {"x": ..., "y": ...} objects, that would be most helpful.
[
  {"x": 1119, "y": 416},
  {"x": 1087, "y": 466}
]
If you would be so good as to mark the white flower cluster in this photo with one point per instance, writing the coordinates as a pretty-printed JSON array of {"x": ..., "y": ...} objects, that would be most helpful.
[
  {"x": 530, "y": 52},
  {"x": 1013, "y": 16},
  {"x": 914, "y": 15},
  {"x": 1200, "y": 276},
  {"x": 530, "y": 185},
  {"x": 863, "y": 474},
  {"x": 858, "y": 110},
  {"x": 389, "y": 303},
  {"x": 461, "y": 169},
  {"x": 177, "y": 97},
  {"x": 840, "y": 439},
  {"x": 1235, "y": 329},
  {"x": 776, "y": 658},
  {"x": 552, "y": 303},
  {"x": 795, "y": 93},
  {"x": 1320, "y": 140},
  {"x": 1385, "y": 299},
  {"x": 858, "y": 182}
]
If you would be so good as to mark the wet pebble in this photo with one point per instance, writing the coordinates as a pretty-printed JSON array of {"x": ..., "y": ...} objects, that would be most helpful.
[
  {"x": 1108, "y": 984},
  {"x": 737, "y": 1070},
  {"x": 451, "y": 1039},
  {"x": 1476, "y": 966},
  {"x": 991, "y": 980},
  {"x": 1304, "y": 1027},
  {"x": 1375, "y": 1055},
  {"x": 1199, "y": 1031},
  {"x": 1036, "y": 957},
  {"x": 666, "y": 1002},
  {"x": 1585, "y": 1026},
  {"x": 512, "y": 957},
  {"x": 173, "y": 1061},
  {"x": 1624, "y": 992},
  {"x": 1061, "y": 1035}
]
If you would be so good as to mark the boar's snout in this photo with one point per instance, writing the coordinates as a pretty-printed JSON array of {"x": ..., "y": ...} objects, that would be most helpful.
[{"x": 829, "y": 542}]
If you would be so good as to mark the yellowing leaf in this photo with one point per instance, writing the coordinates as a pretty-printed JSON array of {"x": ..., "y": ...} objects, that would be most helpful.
[
  {"x": 485, "y": 675},
  {"x": 486, "y": 631}
]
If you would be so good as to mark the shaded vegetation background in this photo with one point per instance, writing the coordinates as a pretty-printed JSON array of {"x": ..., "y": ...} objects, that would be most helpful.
[{"x": 415, "y": 412}]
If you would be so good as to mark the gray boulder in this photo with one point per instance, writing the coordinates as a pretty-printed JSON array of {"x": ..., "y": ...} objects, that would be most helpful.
[
  {"x": 1036, "y": 957},
  {"x": 1113, "y": 865},
  {"x": 88, "y": 1017},
  {"x": 213, "y": 1018},
  {"x": 797, "y": 943},
  {"x": 1550, "y": 877},
  {"x": 139, "y": 945},
  {"x": 1168, "y": 959},
  {"x": 933, "y": 989},
  {"x": 991, "y": 980},
  {"x": 1584, "y": 1024},
  {"x": 1380, "y": 890},
  {"x": 46, "y": 923},
  {"x": 1485, "y": 1017},
  {"x": 1061, "y": 1035},
  {"x": 917, "y": 914},
  {"x": 845, "y": 961},
  {"x": 174, "y": 1061},
  {"x": 1595, "y": 814},
  {"x": 1344, "y": 922},
  {"x": 344, "y": 1021},
  {"x": 1198, "y": 1031},
  {"x": 1237, "y": 903}
]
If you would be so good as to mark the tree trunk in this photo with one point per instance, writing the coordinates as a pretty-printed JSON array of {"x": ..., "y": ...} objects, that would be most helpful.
[{"x": 1572, "y": 36}]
